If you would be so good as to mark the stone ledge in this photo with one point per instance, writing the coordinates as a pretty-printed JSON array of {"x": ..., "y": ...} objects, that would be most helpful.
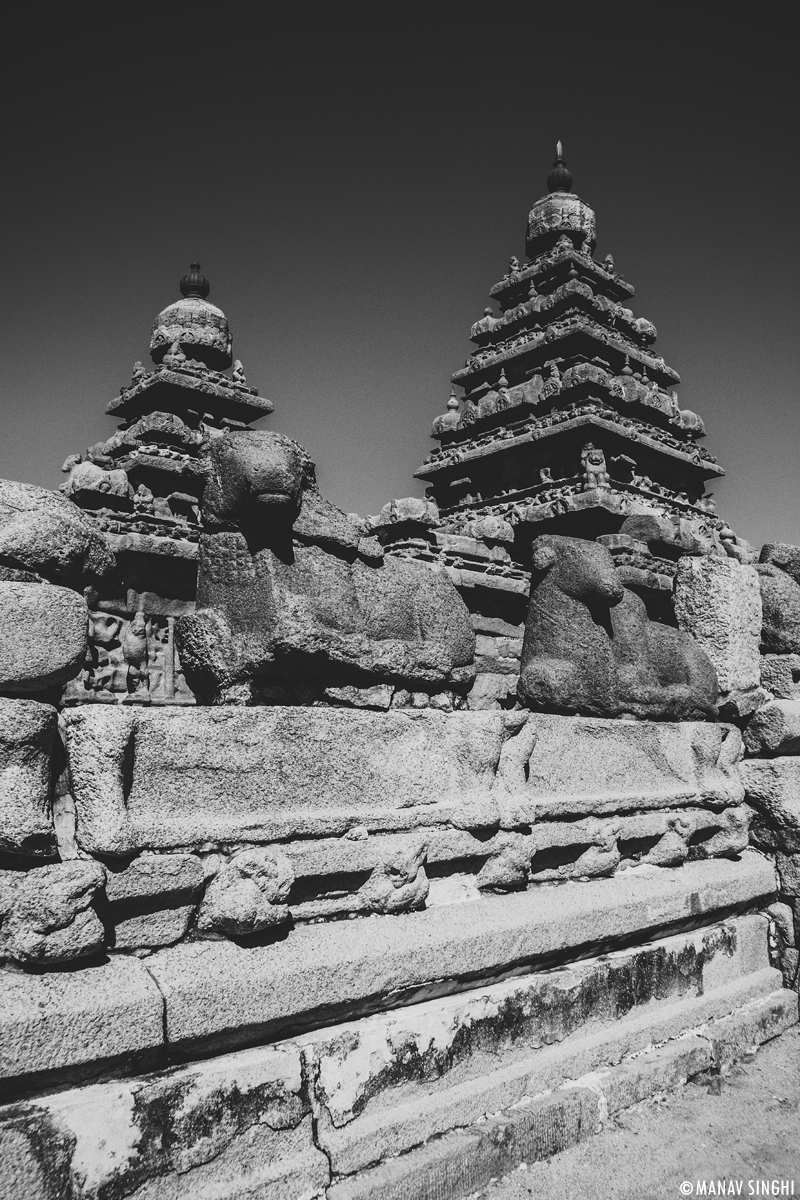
[
  {"x": 322, "y": 972},
  {"x": 68, "y": 1019},
  {"x": 464, "y": 1160},
  {"x": 389, "y": 1082}
]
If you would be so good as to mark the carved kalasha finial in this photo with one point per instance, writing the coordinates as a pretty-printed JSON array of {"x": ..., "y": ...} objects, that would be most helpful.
[
  {"x": 194, "y": 283},
  {"x": 559, "y": 179},
  {"x": 452, "y": 403}
]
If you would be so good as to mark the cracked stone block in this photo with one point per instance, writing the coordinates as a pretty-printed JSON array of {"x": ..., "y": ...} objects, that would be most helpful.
[
  {"x": 48, "y": 914},
  {"x": 780, "y": 675},
  {"x": 27, "y": 732},
  {"x": 789, "y": 873},
  {"x": 780, "y": 601},
  {"x": 42, "y": 636},
  {"x": 61, "y": 1020},
  {"x": 238, "y": 1125},
  {"x": 152, "y": 901},
  {"x": 718, "y": 602},
  {"x": 773, "y": 790},
  {"x": 774, "y": 729},
  {"x": 248, "y": 894}
]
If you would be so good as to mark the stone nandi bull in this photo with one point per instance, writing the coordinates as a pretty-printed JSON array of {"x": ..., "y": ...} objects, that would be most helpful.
[
  {"x": 292, "y": 598},
  {"x": 591, "y": 649}
]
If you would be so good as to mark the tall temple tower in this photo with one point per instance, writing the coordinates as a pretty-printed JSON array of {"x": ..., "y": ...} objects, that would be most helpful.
[{"x": 568, "y": 422}]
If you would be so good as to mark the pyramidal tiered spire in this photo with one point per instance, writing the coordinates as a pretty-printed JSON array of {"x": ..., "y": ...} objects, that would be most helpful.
[
  {"x": 568, "y": 421},
  {"x": 143, "y": 486}
]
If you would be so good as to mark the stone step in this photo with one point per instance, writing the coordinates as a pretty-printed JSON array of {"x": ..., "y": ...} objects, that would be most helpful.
[{"x": 464, "y": 1160}]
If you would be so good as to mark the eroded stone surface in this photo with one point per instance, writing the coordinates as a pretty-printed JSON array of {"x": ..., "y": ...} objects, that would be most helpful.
[
  {"x": 331, "y": 612},
  {"x": 773, "y": 788},
  {"x": 574, "y": 662},
  {"x": 42, "y": 636},
  {"x": 27, "y": 730},
  {"x": 53, "y": 1021},
  {"x": 780, "y": 675},
  {"x": 774, "y": 729},
  {"x": 152, "y": 900},
  {"x": 248, "y": 894},
  {"x": 43, "y": 532},
  {"x": 164, "y": 778},
  {"x": 321, "y": 970},
  {"x": 717, "y": 601},
  {"x": 780, "y": 600},
  {"x": 232, "y": 1126},
  {"x": 47, "y": 914}
]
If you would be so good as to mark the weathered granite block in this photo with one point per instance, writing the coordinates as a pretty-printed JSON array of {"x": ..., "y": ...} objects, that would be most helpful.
[
  {"x": 66, "y": 1019},
  {"x": 774, "y": 729},
  {"x": 46, "y": 914},
  {"x": 234, "y": 1126},
  {"x": 248, "y": 894},
  {"x": 168, "y": 778},
  {"x": 151, "y": 901},
  {"x": 780, "y": 675},
  {"x": 320, "y": 971},
  {"x": 27, "y": 730},
  {"x": 389, "y": 1082},
  {"x": 780, "y": 602},
  {"x": 718, "y": 602},
  {"x": 789, "y": 873},
  {"x": 42, "y": 636},
  {"x": 773, "y": 789}
]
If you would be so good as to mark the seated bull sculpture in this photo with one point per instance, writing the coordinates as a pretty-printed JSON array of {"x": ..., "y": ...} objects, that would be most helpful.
[
  {"x": 591, "y": 649},
  {"x": 293, "y": 598}
]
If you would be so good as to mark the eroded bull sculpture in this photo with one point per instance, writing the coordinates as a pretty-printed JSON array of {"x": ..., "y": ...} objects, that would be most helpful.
[
  {"x": 293, "y": 598},
  {"x": 591, "y": 649}
]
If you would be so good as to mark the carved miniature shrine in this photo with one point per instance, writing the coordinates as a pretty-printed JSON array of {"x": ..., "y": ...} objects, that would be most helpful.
[{"x": 348, "y": 858}]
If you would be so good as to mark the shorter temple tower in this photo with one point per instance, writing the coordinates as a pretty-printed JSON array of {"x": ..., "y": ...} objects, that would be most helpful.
[{"x": 143, "y": 487}]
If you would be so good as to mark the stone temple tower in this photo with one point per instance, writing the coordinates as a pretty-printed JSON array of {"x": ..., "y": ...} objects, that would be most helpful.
[
  {"x": 569, "y": 424},
  {"x": 143, "y": 487}
]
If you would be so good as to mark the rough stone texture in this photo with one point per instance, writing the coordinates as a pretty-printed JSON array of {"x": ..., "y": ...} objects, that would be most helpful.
[
  {"x": 717, "y": 601},
  {"x": 781, "y": 554},
  {"x": 466, "y": 1159},
  {"x": 61, "y": 1020},
  {"x": 289, "y": 590},
  {"x": 166, "y": 778},
  {"x": 572, "y": 661},
  {"x": 42, "y": 636},
  {"x": 780, "y": 600},
  {"x": 235, "y": 1126},
  {"x": 780, "y": 675},
  {"x": 537, "y": 1128},
  {"x": 43, "y": 532},
  {"x": 27, "y": 730},
  {"x": 773, "y": 789},
  {"x": 774, "y": 729},
  {"x": 325, "y": 969},
  {"x": 789, "y": 873},
  {"x": 391, "y": 1081},
  {"x": 248, "y": 894},
  {"x": 46, "y": 915},
  {"x": 152, "y": 901}
]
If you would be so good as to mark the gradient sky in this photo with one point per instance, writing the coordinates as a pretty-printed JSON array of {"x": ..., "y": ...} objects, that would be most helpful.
[{"x": 354, "y": 178}]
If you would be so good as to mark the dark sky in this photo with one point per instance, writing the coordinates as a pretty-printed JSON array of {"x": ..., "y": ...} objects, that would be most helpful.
[{"x": 354, "y": 178}]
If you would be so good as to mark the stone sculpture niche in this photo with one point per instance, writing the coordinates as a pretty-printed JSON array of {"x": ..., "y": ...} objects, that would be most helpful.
[
  {"x": 293, "y": 599},
  {"x": 591, "y": 649}
]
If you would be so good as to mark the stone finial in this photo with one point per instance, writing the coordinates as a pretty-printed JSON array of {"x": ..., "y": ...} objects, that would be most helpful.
[
  {"x": 452, "y": 403},
  {"x": 194, "y": 283},
  {"x": 560, "y": 178}
]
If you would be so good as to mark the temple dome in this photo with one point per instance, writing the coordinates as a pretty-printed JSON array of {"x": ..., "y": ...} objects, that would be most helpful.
[
  {"x": 200, "y": 328},
  {"x": 561, "y": 212}
]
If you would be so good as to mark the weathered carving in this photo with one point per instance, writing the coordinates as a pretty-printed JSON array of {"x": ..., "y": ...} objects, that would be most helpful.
[
  {"x": 590, "y": 648},
  {"x": 285, "y": 591},
  {"x": 248, "y": 894}
]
